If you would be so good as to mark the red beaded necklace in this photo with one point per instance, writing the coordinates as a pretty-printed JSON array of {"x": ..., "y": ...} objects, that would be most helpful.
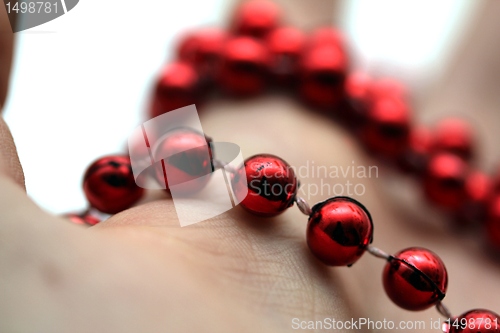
[{"x": 258, "y": 51}]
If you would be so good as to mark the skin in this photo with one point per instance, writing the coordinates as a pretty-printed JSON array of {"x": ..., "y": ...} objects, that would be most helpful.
[{"x": 140, "y": 272}]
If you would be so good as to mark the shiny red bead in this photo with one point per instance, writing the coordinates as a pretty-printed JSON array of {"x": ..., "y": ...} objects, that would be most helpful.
[
  {"x": 256, "y": 18},
  {"x": 387, "y": 127},
  {"x": 338, "y": 231},
  {"x": 323, "y": 73},
  {"x": 109, "y": 184},
  {"x": 271, "y": 182},
  {"x": 492, "y": 226},
  {"x": 455, "y": 136},
  {"x": 203, "y": 49},
  {"x": 415, "y": 279},
  {"x": 177, "y": 86},
  {"x": 243, "y": 69},
  {"x": 185, "y": 159},
  {"x": 444, "y": 181},
  {"x": 285, "y": 47},
  {"x": 84, "y": 219},
  {"x": 475, "y": 321}
]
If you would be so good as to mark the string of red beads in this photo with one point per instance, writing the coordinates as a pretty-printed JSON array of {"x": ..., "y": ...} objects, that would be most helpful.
[{"x": 258, "y": 50}]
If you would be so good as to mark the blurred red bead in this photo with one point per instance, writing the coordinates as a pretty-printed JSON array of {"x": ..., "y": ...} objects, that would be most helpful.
[
  {"x": 387, "y": 127},
  {"x": 203, "y": 49},
  {"x": 478, "y": 194},
  {"x": 327, "y": 36},
  {"x": 475, "y": 321},
  {"x": 415, "y": 279},
  {"x": 109, "y": 184},
  {"x": 271, "y": 182},
  {"x": 444, "y": 181},
  {"x": 83, "y": 219},
  {"x": 417, "y": 153},
  {"x": 388, "y": 88},
  {"x": 454, "y": 136},
  {"x": 355, "y": 104},
  {"x": 256, "y": 18},
  {"x": 492, "y": 226},
  {"x": 323, "y": 73},
  {"x": 176, "y": 87},
  {"x": 243, "y": 68},
  {"x": 285, "y": 47},
  {"x": 185, "y": 160},
  {"x": 338, "y": 231}
]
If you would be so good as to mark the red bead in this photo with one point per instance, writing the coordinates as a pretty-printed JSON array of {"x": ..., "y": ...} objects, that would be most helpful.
[
  {"x": 110, "y": 186},
  {"x": 177, "y": 87},
  {"x": 285, "y": 47},
  {"x": 256, "y": 18},
  {"x": 454, "y": 136},
  {"x": 492, "y": 226},
  {"x": 185, "y": 156},
  {"x": 84, "y": 219},
  {"x": 339, "y": 230},
  {"x": 387, "y": 127},
  {"x": 356, "y": 101},
  {"x": 417, "y": 153},
  {"x": 475, "y": 321},
  {"x": 271, "y": 182},
  {"x": 243, "y": 68},
  {"x": 323, "y": 72},
  {"x": 203, "y": 49},
  {"x": 388, "y": 88},
  {"x": 444, "y": 180},
  {"x": 478, "y": 194},
  {"x": 415, "y": 279}
]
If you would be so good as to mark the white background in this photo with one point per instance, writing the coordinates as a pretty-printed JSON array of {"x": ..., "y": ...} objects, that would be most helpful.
[{"x": 80, "y": 83}]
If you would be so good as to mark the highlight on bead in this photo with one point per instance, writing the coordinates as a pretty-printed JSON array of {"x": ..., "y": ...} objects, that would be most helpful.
[
  {"x": 339, "y": 230},
  {"x": 82, "y": 219}
]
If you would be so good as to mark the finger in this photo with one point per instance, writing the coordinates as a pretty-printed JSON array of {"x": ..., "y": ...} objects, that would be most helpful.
[
  {"x": 6, "y": 45},
  {"x": 10, "y": 166}
]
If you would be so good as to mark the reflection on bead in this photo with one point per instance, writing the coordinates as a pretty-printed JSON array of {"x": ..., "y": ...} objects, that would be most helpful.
[
  {"x": 415, "y": 279},
  {"x": 256, "y": 18},
  {"x": 243, "y": 68},
  {"x": 85, "y": 219},
  {"x": 444, "y": 180},
  {"x": 475, "y": 321},
  {"x": 185, "y": 156},
  {"x": 271, "y": 182},
  {"x": 109, "y": 184},
  {"x": 338, "y": 231},
  {"x": 455, "y": 136},
  {"x": 177, "y": 86}
]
